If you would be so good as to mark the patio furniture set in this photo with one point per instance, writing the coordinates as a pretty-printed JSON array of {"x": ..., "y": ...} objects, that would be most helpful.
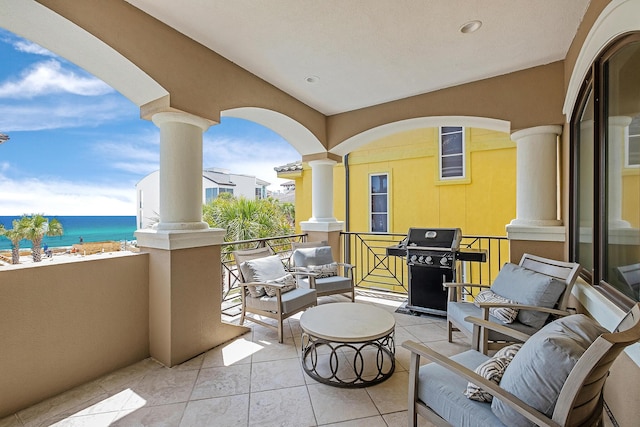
[{"x": 548, "y": 366}]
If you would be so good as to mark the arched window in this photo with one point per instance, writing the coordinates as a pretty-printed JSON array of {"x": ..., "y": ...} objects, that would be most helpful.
[{"x": 605, "y": 179}]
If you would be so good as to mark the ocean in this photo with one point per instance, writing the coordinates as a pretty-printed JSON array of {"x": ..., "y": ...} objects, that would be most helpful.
[{"x": 90, "y": 228}]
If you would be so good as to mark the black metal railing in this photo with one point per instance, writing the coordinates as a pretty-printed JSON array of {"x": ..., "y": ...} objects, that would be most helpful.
[
  {"x": 377, "y": 271},
  {"x": 497, "y": 254},
  {"x": 374, "y": 269},
  {"x": 368, "y": 252}
]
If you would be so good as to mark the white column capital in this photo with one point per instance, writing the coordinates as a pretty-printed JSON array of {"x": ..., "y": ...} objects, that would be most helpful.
[
  {"x": 538, "y": 130},
  {"x": 178, "y": 117}
]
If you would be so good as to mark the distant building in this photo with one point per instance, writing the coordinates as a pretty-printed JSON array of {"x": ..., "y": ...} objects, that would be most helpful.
[
  {"x": 214, "y": 182},
  {"x": 290, "y": 171}
]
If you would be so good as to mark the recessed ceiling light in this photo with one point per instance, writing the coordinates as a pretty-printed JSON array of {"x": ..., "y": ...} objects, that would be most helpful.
[
  {"x": 470, "y": 27},
  {"x": 312, "y": 79}
]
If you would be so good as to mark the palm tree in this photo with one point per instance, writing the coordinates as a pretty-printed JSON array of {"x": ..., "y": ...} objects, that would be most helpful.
[
  {"x": 14, "y": 235},
  {"x": 35, "y": 227},
  {"x": 246, "y": 219}
]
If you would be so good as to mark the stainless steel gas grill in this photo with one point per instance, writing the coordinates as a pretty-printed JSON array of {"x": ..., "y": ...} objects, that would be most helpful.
[
  {"x": 432, "y": 260},
  {"x": 432, "y": 255}
]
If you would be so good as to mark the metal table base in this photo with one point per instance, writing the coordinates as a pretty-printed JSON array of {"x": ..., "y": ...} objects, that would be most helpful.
[{"x": 381, "y": 350}]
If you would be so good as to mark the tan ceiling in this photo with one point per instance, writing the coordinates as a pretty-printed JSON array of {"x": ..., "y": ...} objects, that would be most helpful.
[{"x": 366, "y": 52}]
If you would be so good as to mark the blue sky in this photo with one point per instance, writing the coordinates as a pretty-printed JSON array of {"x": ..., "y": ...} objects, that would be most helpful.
[{"x": 78, "y": 147}]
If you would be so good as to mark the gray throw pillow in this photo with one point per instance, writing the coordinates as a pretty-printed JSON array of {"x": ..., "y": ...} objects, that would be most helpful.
[
  {"x": 528, "y": 287},
  {"x": 540, "y": 368},
  {"x": 262, "y": 270},
  {"x": 304, "y": 257}
]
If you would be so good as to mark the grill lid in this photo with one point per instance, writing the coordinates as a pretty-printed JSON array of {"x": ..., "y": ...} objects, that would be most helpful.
[{"x": 444, "y": 238}]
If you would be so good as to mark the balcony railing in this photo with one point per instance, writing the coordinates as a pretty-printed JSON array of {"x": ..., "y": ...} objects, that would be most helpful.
[
  {"x": 367, "y": 251},
  {"x": 377, "y": 271}
]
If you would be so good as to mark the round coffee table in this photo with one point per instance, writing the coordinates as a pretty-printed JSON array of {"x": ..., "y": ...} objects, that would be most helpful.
[{"x": 360, "y": 332}]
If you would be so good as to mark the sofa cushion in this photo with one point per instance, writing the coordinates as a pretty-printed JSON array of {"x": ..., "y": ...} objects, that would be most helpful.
[
  {"x": 493, "y": 370},
  {"x": 506, "y": 314},
  {"x": 539, "y": 370},
  {"x": 528, "y": 287},
  {"x": 292, "y": 301},
  {"x": 304, "y": 257},
  {"x": 262, "y": 270},
  {"x": 442, "y": 391}
]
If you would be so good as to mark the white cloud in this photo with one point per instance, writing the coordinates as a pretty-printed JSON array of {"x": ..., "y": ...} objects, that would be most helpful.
[
  {"x": 57, "y": 114},
  {"x": 249, "y": 157},
  {"x": 65, "y": 198},
  {"x": 26, "y": 46},
  {"x": 47, "y": 78},
  {"x": 134, "y": 153}
]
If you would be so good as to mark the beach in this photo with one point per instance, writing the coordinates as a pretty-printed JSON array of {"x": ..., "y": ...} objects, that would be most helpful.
[{"x": 90, "y": 250}]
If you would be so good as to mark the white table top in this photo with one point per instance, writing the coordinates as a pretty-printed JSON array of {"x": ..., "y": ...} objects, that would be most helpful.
[{"x": 347, "y": 322}]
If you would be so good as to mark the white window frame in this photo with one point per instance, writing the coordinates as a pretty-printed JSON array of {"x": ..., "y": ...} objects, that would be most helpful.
[
  {"x": 371, "y": 194},
  {"x": 627, "y": 146},
  {"x": 463, "y": 154}
]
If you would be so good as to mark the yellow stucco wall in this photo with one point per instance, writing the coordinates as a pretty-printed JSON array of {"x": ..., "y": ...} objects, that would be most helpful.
[{"x": 482, "y": 203}]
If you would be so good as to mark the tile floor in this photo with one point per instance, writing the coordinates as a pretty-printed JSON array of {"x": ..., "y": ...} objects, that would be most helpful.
[{"x": 251, "y": 381}]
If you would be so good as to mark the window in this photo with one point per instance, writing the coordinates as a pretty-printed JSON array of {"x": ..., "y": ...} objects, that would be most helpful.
[
  {"x": 212, "y": 193},
  {"x": 451, "y": 152},
  {"x": 605, "y": 182},
  {"x": 632, "y": 149},
  {"x": 379, "y": 203},
  {"x": 259, "y": 194}
]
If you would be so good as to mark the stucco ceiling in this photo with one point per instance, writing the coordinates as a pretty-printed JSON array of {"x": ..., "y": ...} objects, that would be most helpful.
[{"x": 365, "y": 52}]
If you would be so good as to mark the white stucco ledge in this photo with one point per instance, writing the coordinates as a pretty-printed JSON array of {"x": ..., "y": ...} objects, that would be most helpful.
[
  {"x": 603, "y": 311},
  {"x": 179, "y": 239},
  {"x": 539, "y": 233},
  {"x": 327, "y": 226}
]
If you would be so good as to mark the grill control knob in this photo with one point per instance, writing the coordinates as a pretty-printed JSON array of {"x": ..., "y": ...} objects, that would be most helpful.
[
  {"x": 428, "y": 260},
  {"x": 413, "y": 258},
  {"x": 444, "y": 261},
  {"x": 421, "y": 259}
]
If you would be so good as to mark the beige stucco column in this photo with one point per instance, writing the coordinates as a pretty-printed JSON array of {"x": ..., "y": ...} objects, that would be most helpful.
[
  {"x": 185, "y": 284},
  {"x": 323, "y": 225},
  {"x": 537, "y": 193}
]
